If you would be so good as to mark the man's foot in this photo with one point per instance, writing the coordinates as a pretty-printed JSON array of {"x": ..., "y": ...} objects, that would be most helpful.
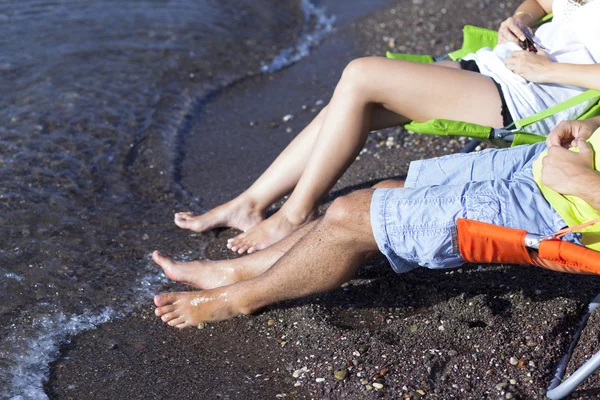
[
  {"x": 237, "y": 213},
  {"x": 203, "y": 274},
  {"x": 185, "y": 309},
  {"x": 268, "y": 232}
]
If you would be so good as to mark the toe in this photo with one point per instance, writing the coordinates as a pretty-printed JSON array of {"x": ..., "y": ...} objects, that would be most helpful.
[
  {"x": 176, "y": 321},
  {"x": 164, "y": 299},
  {"x": 163, "y": 310},
  {"x": 170, "y": 316}
]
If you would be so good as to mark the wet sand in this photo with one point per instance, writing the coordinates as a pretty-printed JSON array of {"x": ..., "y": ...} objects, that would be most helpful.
[{"x": 472, "y": 333}]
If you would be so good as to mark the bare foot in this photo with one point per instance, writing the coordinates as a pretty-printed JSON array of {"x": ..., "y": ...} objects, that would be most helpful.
[
  {"x": 268, "y": 232},
  {"x": 237, "y": 213},
  {"x": 203, "y": 274},
  {"x": 185, "y": 309}
]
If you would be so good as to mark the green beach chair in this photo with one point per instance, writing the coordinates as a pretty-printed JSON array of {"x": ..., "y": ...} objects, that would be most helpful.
[{"x": 475, "y": 38}]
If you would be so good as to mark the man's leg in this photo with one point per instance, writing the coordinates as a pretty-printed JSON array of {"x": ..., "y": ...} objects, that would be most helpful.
[
  {"x": 327, "y": 256},
  {"x": 208, "y": 274}
]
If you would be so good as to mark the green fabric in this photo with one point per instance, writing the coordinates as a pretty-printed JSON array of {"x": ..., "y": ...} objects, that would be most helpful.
[
  {"x": 572, "y": 209},
  {"x": 580, "y": 98},
  {"x": 423, "y": 59},
  {"x": 446, "y": 127},
  {"x": 526, "y": 138},
  {"x": 474, "y": 38},
  {"x": 593, "y": 111}
]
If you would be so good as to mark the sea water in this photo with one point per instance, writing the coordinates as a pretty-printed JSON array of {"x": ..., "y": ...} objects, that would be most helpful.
[{"x": 93, "y": 99}]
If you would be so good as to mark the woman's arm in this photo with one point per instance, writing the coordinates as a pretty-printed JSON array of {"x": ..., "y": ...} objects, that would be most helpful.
[
  {"x": 525, "y": 17},
  {"x": 583, "y": 75},
  {"x": 536, "y": 67}
]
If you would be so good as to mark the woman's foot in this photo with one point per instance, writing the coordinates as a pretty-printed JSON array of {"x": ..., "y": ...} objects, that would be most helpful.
[
  {"x": 204, "y": 274},
  {"x": 268, "y": 232},
  {"x": 237, "y": 213},
  {"x": 184, "y": 309}
]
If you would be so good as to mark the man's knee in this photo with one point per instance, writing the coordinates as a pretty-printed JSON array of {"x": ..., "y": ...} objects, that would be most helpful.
[
  {"x": 351, "y": 210},
  {"x": 389, "y": 184}
]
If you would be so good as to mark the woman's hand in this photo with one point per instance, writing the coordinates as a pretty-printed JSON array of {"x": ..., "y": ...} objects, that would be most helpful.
[
  {"x": 567, "y": 133},
  {"x": 531, "y": 66},
  {"x": 512, "y": 30}
]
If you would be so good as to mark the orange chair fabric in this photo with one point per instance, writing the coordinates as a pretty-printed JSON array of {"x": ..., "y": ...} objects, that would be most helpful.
[{"x": 480, "y": 242}]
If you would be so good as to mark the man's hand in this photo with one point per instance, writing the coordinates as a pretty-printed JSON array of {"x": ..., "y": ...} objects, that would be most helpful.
[
  {"x": 511, "y": 30},
  {"x": 567, "y": 133},
  {"x": 569, "y": 172},
  {"x": 531, "y": 66}
]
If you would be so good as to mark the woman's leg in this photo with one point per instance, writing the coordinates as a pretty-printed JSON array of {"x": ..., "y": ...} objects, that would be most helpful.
[
  {"x": 247, "y": 210},
  {"x": 415, "y": 91}
]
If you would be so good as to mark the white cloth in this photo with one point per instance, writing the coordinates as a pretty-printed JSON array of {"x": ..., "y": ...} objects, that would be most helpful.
[{"x": 573, "y": 36}]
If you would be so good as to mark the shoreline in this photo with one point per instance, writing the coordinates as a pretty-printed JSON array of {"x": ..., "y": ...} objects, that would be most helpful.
[{"x": 431, "y": 334}]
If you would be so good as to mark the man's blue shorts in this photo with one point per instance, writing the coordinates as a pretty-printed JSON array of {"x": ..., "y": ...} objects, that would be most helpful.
[{"x": 415, "y": 225}]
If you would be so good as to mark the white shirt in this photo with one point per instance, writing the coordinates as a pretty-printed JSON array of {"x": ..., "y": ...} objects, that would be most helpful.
[{"x": 573, "y": 37}]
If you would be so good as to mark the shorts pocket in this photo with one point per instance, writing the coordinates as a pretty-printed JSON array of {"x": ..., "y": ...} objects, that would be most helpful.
[{"x": 485, "y": 207}]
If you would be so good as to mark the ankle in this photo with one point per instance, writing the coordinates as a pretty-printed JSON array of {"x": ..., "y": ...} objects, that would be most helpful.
[
  {"x": 251, "y": 203},
  {"x": 297, "y": 216}
]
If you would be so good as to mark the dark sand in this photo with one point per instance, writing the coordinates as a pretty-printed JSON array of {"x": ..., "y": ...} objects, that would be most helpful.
[{"x": 472, "y": 333}]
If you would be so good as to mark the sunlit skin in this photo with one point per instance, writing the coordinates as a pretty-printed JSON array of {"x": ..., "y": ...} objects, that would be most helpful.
[
  {"x": 322, "y": 255},
  {"x": 291, "y": 268},
  {"x": 373, "y": 93}
]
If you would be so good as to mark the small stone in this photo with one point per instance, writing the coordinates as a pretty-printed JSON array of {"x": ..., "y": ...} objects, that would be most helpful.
[
  {"x": 319, "y": 103},
  {"x": 202, "y": 325},
  {"x": 288, "y": 118},
  {"x": 271, "y": 322},
  {"x": 501, "y": 386},
  {"x": 508, "y": 395},
  {"x": 384, "y": 371},
  {"x": 377, "y": 385},
  {"x": 252, "y": 123},
  {"x": 513, "y": 361},
  {"x": 340, "y": 374},
  {"x": 364, "y": 382},
  {"x": 513, "y": 382},
  {"x": 145, "y": 236},
  {"x": 319, "y": 380},
  {"x": 297, "y": 384},
  {"x": 413, "y": 328},
  {"x": 296, "y": 373},
  {"x": 421, "y": 392},
  {"x": 288, "y": 130},
  {"x": 304, "y": 106},
  {"x": 369, "y": 387}
]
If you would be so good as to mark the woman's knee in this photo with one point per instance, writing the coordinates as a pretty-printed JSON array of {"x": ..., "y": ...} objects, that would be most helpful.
[{"x": 357, "y": 72}]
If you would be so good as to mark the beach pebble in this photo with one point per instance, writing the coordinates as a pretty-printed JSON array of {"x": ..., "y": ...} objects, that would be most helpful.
[
  {"x": 377, "y": 385},
  {"x": 288, "y": 118},
  {"x": 340, "y": 374},
  {"x": 288, "y": 130},
  {"x": 319, "y": 103},
  {"x": 319, "y": 380},
  {"x": 202, "y": 325},
  {"x": 296, "y": 373},
  {"x": 271, "y": 322},
  {"x": 513, "y": 361}
]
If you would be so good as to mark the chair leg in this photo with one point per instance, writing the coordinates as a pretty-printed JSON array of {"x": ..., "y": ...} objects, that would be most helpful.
[{"x": 469, "y": 147}]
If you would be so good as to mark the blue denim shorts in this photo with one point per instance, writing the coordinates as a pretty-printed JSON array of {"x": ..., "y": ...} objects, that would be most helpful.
[{"x": 414, "y": 226}]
